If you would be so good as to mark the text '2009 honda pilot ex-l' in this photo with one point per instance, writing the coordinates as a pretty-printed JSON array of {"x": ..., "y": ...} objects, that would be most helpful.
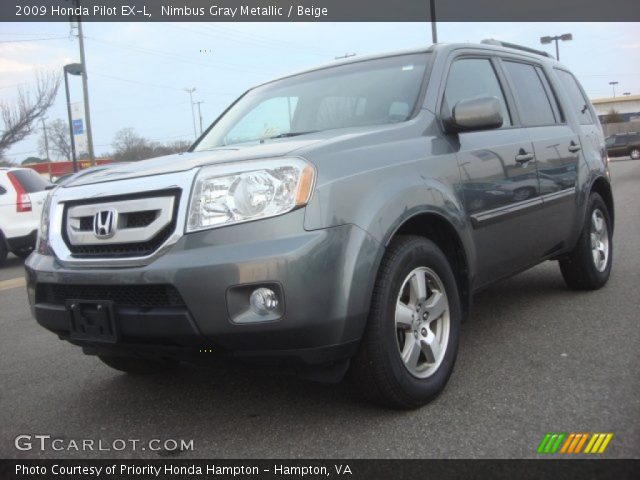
[{"x": 341, "y": 218}]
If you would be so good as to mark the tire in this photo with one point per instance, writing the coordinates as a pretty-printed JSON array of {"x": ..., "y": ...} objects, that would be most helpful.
[
  {"x": 22, "y": 253},
  {"x": 635, "y": 153},
  {"x": 3, "y": 250},
  {"x": 135, "y": 366},
  {"x": 583, "y": 269},
  {"x": 378, "y": 368}
]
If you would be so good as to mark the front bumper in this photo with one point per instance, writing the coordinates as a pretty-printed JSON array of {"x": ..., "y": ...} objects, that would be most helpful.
[{"x": 325, "y": 278}]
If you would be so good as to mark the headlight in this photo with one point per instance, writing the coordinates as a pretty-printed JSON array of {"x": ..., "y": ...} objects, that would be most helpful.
[
  {"x": 244, "y": 191},
  {"x": 42, "y": 244}
]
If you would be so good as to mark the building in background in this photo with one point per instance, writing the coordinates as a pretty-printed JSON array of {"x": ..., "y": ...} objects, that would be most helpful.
[{"x": 627, "y": 106}]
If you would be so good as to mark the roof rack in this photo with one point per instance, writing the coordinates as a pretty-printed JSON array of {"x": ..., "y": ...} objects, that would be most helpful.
[{"x": 491, "y": 41}]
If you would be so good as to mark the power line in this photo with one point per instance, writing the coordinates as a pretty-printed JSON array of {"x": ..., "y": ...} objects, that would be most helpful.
[
  {"x": 33, "y": 40},
  {"x": 177, "y": 57}
]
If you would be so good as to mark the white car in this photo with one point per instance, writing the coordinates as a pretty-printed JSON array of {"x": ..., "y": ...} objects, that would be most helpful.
[{"x": 22, "y": 193}]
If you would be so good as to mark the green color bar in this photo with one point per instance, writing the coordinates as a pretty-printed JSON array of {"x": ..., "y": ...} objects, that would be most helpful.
[
  {"x": 547, "y": 448},
  {"x": 543, "y": 443},
  {"x": 555, "y": 447}
]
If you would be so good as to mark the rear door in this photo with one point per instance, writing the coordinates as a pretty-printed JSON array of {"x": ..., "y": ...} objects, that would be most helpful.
[
  {"x": 556, "y": 145},
  {"x": 491, "y": 163}
]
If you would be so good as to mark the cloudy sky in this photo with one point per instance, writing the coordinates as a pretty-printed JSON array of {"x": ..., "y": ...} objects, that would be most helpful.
[{"x": 138, "y": 71}]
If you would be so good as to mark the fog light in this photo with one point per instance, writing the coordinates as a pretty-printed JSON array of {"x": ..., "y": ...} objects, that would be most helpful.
[{"x": 263, "y": 301}]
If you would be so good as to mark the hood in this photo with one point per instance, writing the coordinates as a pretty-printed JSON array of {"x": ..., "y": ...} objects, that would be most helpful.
[{"x": 188, "y": 160}]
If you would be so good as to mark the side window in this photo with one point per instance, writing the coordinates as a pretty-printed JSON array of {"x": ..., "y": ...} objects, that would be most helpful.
[
  {"x": 609, "y": 141},
  {"x": 534, "y": 104},
  {"x": 621, "y": 139},
  {"x": 577, "y": 100},
  {"x": 472, "y": 78},
  {"x": 2, "y": 190},
  {"x": 270, "y": 118},
  {"x": 551, "y": 94}
]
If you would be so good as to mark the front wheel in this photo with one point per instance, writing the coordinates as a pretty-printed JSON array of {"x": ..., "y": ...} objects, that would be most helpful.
[
  {"x": 588, "y": 265},
  {"x": 411, "y": 340}
]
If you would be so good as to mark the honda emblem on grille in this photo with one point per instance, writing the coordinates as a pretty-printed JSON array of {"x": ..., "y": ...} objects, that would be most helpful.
[{"x": 105, "y": 223}]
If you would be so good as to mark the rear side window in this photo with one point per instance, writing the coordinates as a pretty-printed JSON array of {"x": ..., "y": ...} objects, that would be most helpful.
[
  {"x": 473, "y": 78},
  {"x": 622, "y": 139},
  {"x": 577, "y": 100},
  {"x": 2, "y": 190},
  {"x": 534, "y": 104},
  {"x": 31, "y": 182}
]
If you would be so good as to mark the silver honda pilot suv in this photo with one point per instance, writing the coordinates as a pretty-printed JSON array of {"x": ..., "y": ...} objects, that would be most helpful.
[{"x": 337, "y": 220}]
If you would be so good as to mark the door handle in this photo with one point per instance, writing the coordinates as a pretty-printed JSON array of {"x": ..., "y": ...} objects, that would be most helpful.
[
  {"x": 524, "y": 157},
  {"x": 574, "y": 147}
]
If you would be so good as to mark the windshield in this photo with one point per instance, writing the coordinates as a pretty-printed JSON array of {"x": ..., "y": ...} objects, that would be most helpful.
[{"x": 374, "y": 92}]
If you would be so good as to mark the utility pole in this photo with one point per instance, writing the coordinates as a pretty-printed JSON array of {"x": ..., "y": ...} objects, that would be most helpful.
[
  {"x": 85, "y": 88},
  {"x": 200, "y": 114},
  {"x": 46, "y": 139},
  {"x": 432, "y": 12},
  {"x": 346, "y": 55},
  {"x": 193, "y": 117}
]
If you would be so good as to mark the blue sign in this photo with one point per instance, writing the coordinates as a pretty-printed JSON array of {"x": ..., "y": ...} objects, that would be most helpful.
[{"x": 78, "y": 128}]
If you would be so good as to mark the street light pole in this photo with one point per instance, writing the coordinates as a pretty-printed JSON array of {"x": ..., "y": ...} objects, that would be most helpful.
[
  {"x": 46, "y": 139},
  {"x": 613, "y": 86},
  {"x": 85, "y": 89},
  {"x": 73, "y": 142},
  {"x": 193, "y": 117},
  {"x": 564, "y": 37},
  {"x": 200, "y": 114}
]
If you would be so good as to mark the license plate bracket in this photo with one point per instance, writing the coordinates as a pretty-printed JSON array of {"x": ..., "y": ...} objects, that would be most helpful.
[{"x": 92, "y": 321}]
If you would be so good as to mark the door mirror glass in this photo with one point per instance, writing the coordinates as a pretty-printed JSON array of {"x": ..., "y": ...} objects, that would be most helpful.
[{"x": 482, "y": 113}]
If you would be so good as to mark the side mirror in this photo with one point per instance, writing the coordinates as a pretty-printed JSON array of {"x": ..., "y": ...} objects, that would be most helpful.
[{"x": 482, "y": 113}]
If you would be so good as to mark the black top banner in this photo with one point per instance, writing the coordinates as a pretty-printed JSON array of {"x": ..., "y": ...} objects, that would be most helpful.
[{"x": 320, "y": 10}]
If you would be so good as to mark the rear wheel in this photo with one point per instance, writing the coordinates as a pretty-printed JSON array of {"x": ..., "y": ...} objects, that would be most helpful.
[
  {"x": 635, "y": 153},
  {"x": 136, "y": 366},
  {"x": 410, "y": 344},
  {"x": 588, "y": 265}
]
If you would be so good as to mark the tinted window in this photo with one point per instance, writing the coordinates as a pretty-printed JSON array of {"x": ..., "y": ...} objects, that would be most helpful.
[
  {"x": 30, "y": 180},
  {"x": 2, "y": 190},
  {"x": 578, "y": 102},
  {"x": 621, "y": 139},
  {"x": 551, "y": 95},
  {"x": 473, "y": 78},
  {"x": 534, "y": 104}
]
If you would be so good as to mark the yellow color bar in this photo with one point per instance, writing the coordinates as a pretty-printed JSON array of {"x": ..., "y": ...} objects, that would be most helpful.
[{"x": 606, "y": 442}]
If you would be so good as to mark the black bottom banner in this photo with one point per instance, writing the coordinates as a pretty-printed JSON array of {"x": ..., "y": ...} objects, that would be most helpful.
[{"x": 315, "y": 469}]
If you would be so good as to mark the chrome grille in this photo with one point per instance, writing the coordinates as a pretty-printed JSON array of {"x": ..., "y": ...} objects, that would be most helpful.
[{"x": 141, "y": 224}]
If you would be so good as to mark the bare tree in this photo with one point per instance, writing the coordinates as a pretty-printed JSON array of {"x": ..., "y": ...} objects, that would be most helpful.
[
  {"x": 59, "y": 140},
  {"x": 129, "y": 146},
  {"x": 19, "y": 117}
]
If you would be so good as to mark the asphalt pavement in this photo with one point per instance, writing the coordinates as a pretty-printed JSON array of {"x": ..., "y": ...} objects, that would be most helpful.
[{"x": 534, "y": 358}]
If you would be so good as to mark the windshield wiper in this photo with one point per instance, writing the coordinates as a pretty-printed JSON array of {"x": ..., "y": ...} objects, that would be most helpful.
[{"x": 290, "y": 134}]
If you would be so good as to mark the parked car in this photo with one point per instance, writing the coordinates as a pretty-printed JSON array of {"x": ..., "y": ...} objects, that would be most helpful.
[
  {"x": 624, "y": 144},
  {"x": 22, "y": 193},
  {"x": 332, "y": 220}
]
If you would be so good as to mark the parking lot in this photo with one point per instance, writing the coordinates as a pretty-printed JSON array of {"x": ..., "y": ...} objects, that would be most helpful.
[{"x": 534, "y": 358}]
